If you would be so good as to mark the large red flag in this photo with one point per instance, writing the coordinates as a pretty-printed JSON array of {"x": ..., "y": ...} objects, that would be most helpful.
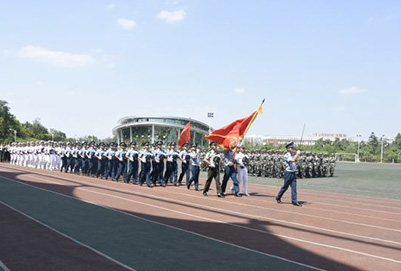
[
  {"x": 185, "y": 135},
  {"x": 230, "y": 135}
]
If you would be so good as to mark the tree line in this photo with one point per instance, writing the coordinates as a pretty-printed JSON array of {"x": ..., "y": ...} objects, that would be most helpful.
[
  {"x": 370, "y": 150},
  {"x": 11, "y": 128}
]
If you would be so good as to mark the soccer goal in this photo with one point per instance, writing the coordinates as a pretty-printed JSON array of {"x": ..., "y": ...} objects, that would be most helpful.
[{"x": 347, "y": 157}]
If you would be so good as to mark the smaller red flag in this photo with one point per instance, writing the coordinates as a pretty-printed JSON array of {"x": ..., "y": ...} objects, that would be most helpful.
[{"x": 185, "y": 135}]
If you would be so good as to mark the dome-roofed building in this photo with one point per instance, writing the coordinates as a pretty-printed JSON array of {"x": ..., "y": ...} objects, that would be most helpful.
[{"x": 155, "y": 128}]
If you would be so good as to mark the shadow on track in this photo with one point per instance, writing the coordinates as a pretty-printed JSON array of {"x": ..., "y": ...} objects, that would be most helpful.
[{"x": 111, "y": 231}]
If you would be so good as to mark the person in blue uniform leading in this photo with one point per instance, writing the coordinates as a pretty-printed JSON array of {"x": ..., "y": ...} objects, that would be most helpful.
[
  {"x": 290, "y": 177},
  {"x": 230, "y": 172},
  {"x": 195, "y": 161}
]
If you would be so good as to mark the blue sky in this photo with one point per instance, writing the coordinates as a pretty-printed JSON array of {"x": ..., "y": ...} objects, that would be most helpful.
[{"x": 80, "y": 66}]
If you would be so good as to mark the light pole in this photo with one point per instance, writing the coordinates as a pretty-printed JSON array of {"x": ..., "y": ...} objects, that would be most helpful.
[
  {"x": 358, "y": 138},
  {"x": 15, "y": 135},
  {"x": 52, "y": 137},
  {"x": 209, "y": 116},
  {"x": 381, "y": 154}
]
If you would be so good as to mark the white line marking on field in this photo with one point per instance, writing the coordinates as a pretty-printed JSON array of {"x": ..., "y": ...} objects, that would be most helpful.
[
  {"x": 67, "y": 236},
  {"x": 252, "y": 216},
  {"x": 355, "y": 201},
  {"x": 253, "y": 206},
  {"x": 238, "y": 226},
  {"x": 162, "y": 224},
  {"x": 336, "y": 194},
  {"x": 3, "y": 266},
  {"x": 277, "y": 210}
]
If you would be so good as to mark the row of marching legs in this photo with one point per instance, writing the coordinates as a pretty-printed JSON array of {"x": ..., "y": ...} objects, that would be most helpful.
[{"x": 40, "y": 161}]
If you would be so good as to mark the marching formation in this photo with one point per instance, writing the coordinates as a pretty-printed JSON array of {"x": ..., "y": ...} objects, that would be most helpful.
[{"x": 151, "y": 164}]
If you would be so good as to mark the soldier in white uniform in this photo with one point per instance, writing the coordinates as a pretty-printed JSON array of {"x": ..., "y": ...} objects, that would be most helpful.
[{"x": 242, "y": 166}]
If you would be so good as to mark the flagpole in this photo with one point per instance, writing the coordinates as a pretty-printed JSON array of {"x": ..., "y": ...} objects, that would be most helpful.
[
  {"x": 302, "y": 136},
  {"x": 250, "y": 123}
]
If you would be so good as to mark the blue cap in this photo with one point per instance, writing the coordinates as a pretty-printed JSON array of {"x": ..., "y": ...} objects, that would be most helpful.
[{"x": 289, "y": 145}]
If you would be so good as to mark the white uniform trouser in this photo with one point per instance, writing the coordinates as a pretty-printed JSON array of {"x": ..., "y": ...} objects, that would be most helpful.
[
  {"x": 19, "y": 159},
  {"x": 36, "y": 160},
  {"x": 243, "y": 178},
  {"x": 47, "y": 161},
  {"x": 42, "y": 161},
  {"x": 58, "y": 161},
  {"x": 53, "y": 161}
]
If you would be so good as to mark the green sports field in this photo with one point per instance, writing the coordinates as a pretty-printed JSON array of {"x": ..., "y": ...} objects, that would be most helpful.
[{"x": 379, "y": 180}]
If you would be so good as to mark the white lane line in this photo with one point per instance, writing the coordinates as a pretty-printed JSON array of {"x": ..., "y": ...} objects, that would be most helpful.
[
  {"x": 3, "y": 266},
  {"x": 253, "y": 206},
  {"x": 158, "y": 223},
  {"x": 326, "y": 210},
  {"x": 352, "y": 197},
  {"x": 68, "y": 237},
  {"x": 258, "y": 207},
  {"x": 238, "y": 226},
  {"x": 319, "y": 202},
  {"x": 355, "y": 200},
  {"x": 277, "y": 210},
  {"x": 336, "y": 194},
  {"x": 361, "y": 209}
]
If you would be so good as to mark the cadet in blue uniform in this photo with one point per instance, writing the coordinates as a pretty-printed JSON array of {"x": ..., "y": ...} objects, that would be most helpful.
[
  {"x": 133, "y": 164},
  {"x": 72, "y": 157},
  {"x": 290, "y": 178},
  {"x": 153, "y": 171},
  {"x": 82, "y": 155},
  {"x": 195, "y": 161},
  {"x": 185, "y": 162},
  {"x": 63, "y": 157},
  {"x": 145, "y": 156},
  {"x": 85, "y": 160},
  {"x": 115, "y": 162},
  {"x": 77, "y": 161},
  {"x": 121, "y": 162},
  {"x": 68, "y": 157},
  {"x": 91, "y": 159},
  {"x": 109, "y": 166},
  {"x": 99, "y": 155},
  {"x": 171, "y": 164},
  {"x": 230, "y": 171},
  {"x": 159, "y": 154}
]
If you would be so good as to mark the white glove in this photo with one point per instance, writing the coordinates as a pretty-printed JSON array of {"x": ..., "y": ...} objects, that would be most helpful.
[{"x": 298, "y": 152}]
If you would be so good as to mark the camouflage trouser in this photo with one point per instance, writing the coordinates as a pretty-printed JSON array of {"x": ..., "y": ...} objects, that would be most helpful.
[{"x": 212, "y": 173}]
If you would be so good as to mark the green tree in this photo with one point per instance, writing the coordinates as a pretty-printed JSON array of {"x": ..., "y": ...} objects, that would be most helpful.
[
  {"x": 392, "y": 154},
  {"x": 26, "y": 131},
  {"x": 58, "y": 135},
  {"x": 397, "y": 141},
  {"x": 39, "y": 131},
  {"x": 373, "y": 142},
  {"x": 8, "y": 123}
]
